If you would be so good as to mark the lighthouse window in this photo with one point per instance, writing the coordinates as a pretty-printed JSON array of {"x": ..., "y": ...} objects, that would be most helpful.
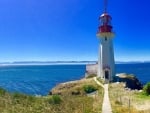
[{"x": 105, "y": 39}]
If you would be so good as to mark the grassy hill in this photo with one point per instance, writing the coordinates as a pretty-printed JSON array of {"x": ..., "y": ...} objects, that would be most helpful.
[
  {"x": 76, "y": 97},
  {"x": 65, "y": 102}
]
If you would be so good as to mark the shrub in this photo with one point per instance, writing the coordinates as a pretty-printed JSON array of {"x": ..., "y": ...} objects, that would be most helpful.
[
  {"x": 118, "y": 102},
  {"x": 18, "y": 98},
  {"x": 2, "y": 91},
  {"x": 17, "y": 95},
  {"x": 55, "y": 99},
  {"x": 147, "y": 89},
  {"x": 89, "y": 88}
]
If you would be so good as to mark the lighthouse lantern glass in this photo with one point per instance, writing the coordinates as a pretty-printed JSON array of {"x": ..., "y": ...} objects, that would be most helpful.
[{"x": 105, "y": 20}]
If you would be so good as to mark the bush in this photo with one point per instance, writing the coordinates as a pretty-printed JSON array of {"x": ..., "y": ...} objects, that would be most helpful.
[
  {"x": 118, "y": 102},
  {"x": 17, "y": 95},
  {"x": 55, "y": 99},
  {"x": 147, "y": 89},
  {"x": 18, "y": 98},
  {"x": 89, "y": 88},
  {"x": 2, "y": 91}
]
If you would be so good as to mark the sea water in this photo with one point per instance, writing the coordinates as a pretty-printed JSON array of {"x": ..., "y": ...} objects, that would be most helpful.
[{"x": 39, "y": 79}]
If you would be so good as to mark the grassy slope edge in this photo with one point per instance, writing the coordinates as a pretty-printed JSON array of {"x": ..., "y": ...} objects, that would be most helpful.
[{"x": 64, "y": 103}]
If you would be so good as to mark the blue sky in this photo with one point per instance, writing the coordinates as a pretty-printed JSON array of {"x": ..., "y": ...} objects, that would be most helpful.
[{"x": 52, "y": 30}]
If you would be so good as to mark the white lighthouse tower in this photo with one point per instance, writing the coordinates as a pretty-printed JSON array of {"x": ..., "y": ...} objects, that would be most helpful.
[{"x": 106, "y": 64}]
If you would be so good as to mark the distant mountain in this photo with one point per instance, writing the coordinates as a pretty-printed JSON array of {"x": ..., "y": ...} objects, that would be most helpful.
[
  {"x": 131, "y": 62},
  {"x": 64, "y": 62},
  {"x": 46, "y": 62}
]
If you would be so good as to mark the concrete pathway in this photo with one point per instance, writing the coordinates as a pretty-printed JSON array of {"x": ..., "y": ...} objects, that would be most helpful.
[
  {"x": 100, "y": 84},
  {"x": 106, "y": 107}
]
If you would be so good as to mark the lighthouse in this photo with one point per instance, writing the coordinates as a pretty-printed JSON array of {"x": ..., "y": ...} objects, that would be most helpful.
[{"x": 105, "y": 34}]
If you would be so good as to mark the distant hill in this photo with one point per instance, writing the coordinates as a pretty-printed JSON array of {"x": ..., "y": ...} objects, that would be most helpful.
[{"x": 64, "y": 62}]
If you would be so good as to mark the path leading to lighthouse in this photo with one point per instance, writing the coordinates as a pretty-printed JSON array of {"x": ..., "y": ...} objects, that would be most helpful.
[{"x": 106, "y": 107}]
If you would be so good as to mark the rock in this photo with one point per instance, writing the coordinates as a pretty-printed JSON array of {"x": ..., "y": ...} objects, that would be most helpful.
[
  {"x": 131, "y": 81},
  {"x": 76, "y": 93},
  {"x": 50, "y": 93}
]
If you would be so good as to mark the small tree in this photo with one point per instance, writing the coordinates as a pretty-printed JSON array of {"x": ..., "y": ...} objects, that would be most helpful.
[{"x": 147, "y": 89}]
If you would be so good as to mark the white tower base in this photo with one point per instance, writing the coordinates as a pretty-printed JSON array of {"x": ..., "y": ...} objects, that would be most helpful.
[{"x": 106, "y": 63}]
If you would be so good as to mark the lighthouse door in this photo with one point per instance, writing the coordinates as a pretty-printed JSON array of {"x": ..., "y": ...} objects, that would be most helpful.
[{"x": 106, "y": 74}]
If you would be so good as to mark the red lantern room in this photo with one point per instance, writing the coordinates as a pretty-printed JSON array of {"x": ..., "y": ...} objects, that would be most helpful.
[
  {"x": 105, "y": 23},
  {"x": 105, "y": 27}
]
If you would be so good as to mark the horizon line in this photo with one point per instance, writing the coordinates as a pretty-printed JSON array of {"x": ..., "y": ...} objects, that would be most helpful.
[{"x": 65, "y": 61}]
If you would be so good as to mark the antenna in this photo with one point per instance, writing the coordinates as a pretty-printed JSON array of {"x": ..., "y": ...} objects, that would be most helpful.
[{"x": 105, "y": 5}]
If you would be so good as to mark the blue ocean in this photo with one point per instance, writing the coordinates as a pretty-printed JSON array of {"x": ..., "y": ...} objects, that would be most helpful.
[{"x": 39, "y": 79}]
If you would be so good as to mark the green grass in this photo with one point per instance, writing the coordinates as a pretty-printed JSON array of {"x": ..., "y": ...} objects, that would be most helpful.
[
  {"x": 55, "y": 99},
  {"x": 146, "y": 89},
  {"x": 91, "y": 76},
  {"x": 142, "y": 96},
  {"x": 65, "y": 103},
  {"x": 121, "y": 99}
]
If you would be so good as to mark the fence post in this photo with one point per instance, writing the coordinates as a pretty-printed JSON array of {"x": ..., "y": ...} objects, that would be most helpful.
[
  {"x": 120, "y": 99},
  {"x": 129, "y": 105}
]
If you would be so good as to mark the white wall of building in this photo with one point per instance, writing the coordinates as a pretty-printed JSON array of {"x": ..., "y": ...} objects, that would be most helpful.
[{"x": 106, "y": 58}]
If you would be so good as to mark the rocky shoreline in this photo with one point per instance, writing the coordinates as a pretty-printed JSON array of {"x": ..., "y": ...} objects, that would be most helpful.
[{"x": 130, "y": 80}]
